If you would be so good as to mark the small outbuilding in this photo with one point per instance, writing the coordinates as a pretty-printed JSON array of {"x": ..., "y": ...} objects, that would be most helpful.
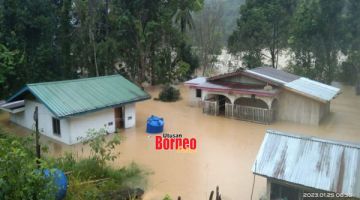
[
  {"x": 298, "y": 167},
  {"x": 68, "y": 109},
  {"x": 263, "y": 95}
]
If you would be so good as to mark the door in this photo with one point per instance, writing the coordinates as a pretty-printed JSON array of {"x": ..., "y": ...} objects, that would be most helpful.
[{"x": 119, "y": 119}]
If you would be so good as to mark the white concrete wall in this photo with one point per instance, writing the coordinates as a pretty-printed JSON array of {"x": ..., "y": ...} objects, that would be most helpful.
[
  {"x": 129, "y": 115},
  {"x": 72, "y": 129},
  {"x": 80, "y": 125},
  {"x": 25, "y": 119},
  {"x": 299, "y": 109},
  {"x": 193, "y": 100}
]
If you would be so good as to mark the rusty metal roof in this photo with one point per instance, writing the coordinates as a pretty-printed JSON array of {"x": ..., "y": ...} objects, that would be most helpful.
[{"x": 310, "y": 162}]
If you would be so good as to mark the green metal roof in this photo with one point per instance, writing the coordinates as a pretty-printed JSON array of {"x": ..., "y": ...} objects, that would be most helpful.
[{"x": 73, "y": 97}]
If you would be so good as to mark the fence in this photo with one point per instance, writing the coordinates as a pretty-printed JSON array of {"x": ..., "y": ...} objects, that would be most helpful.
[
  {"x": 210, "y": 108},
  {"x": 228, "y": 110},
  {"x": 253, "y": 114}
]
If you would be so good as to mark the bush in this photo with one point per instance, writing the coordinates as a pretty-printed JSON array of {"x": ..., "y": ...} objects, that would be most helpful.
[
  {"x": 20, "y": 176},
  {"x": 169, "y": 94}
]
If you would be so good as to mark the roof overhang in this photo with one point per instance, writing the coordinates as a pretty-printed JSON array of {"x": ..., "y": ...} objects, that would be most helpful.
[
  {"x": 238, "y": 91},
  {"x": 25, "y": 89},
  {"x": 13, "y": 107}
]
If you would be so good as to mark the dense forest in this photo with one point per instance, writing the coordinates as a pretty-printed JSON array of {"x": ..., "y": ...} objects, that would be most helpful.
[{"x": 164, "y": 41}]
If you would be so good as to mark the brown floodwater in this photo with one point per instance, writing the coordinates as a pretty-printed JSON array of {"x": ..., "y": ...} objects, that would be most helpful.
[{"x": 226, "y": 148}]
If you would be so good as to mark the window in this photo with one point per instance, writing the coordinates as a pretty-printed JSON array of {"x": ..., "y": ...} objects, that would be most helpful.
[
  {"x": 56, "y": 126},
  {"x": 198, "y": 93}
]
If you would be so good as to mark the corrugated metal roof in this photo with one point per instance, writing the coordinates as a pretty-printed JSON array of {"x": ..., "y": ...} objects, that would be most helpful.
[
  {"x": 315, "y": 163},
  {"x": 313, "y": 89},
  {"x": 275, "y": 73},
  {"x": 196, "y": 81},
  {"x": 71, "y": 97}
]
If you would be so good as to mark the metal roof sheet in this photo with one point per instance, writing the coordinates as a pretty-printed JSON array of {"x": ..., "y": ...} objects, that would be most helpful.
[
  {"x": 275, "y": 73},
  {"x": 71, "y": 97},
  {"x": 313, "y": 89},
  {"x": 196, "y": 81},
  {"x": 315, "y": 163}
]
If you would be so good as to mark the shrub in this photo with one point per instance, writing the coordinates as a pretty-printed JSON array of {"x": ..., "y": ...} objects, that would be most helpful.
[
  {"x": 20, "y": 176},
  {"x": 169, "y": 94}
]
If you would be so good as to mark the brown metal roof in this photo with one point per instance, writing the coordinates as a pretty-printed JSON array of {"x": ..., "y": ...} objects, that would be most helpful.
[
  {"x": 276, "y": 74},
  {"x": 310, "y": 162}
]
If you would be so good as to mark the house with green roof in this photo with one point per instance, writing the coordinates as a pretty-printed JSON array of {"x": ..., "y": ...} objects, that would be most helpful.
[{"x": 68, "y": 109}]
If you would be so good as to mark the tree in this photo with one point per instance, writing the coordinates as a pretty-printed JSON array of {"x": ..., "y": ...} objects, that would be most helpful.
[
  {"x": 183, "y": 15},
  {"x": 7, "y": 63},
  {"x": 207, "y": 37},
  {"x": 316, "y": 37},
  {"x": 262, "y": 26},
  {"x": 350, "y": 69},
  {"x": 29, "y": 27}
]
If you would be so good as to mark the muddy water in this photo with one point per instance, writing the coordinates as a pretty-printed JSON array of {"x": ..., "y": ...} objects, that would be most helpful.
[{"x": 226, "y": 148}]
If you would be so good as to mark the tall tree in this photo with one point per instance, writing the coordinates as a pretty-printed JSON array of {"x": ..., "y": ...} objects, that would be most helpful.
[
  {"x": 207, "y": 37},
  {"x": 350, "y": 69},
  {"x": 262, "y": 26},
  {"x": 183, "y": 16},
  {"x": 29, "y": 27},
  {"x": 316, "y": 35}
]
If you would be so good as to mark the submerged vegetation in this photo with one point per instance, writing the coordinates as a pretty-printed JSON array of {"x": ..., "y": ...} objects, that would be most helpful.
[
  {"x": 169, "y": 94},
  {"x": 88, "y": 178}
]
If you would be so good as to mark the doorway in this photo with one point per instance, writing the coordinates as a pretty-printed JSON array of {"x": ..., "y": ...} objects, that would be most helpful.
[{"x": 119, "y": 118}]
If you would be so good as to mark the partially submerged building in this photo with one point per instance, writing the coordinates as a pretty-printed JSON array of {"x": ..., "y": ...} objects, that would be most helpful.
[
  {"x": 68, "y": 109},
  {"x": 263, "y": 95},
  {"x": 299, "y": 167}
]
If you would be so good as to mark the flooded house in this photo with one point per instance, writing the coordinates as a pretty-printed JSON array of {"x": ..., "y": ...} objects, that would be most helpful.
[
  {"x": 68, "y": 109},
  {"x": 263, "y": 95},
  {"x": 298, "y": 167}
]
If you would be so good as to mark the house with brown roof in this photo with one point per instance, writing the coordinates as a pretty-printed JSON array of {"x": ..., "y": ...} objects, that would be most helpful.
[{"x": 263, "y": 95}]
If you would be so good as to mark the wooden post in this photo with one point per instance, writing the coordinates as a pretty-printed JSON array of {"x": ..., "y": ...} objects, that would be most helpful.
[{"x": 37, "y": 135}]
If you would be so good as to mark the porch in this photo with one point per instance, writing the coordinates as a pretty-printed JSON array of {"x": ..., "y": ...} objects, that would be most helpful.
[{"x": 243, "y": 108}]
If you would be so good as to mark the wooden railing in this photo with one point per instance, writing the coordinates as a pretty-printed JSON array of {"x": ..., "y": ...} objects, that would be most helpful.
[{"x": 253, "y": 114}]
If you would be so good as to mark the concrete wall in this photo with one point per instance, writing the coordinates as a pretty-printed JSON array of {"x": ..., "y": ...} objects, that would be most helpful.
[
  {"x": 72, "y": 129},
  {"x": 129, "y": 116},
  {"x": 79, "y": 125},
  {"x": 26, "y": 120},
  {"x": 299, "y": 109},
  {"x": 193, "y": 100}
]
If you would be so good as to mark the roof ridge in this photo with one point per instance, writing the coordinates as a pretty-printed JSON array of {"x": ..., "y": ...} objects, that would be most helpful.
[
  {"x": 72, "y": 80},
  {"x": 315, "y": 139}
]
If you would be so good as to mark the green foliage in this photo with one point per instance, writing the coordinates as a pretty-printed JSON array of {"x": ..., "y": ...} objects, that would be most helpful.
[
  {"x": 101, "y": 149},
  {"x": 92, "y": 178},
  {"x": 167, "y": 197},
  {"x": 316, "y": 37},
  {"x": 262, "y": 25},
  {"x": 20, "y": 177},
  {"x": 169, "y": 94},
  {"x": 74, "y": 38},
  {"x": 7, "y": 62}
]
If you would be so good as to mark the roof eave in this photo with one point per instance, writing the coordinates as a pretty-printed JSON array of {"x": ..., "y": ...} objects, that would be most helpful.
[{"x": 147, "y": 97}]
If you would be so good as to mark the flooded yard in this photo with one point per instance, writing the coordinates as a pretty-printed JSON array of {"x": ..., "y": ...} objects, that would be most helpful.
[{"x": 226, "y": 148}]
